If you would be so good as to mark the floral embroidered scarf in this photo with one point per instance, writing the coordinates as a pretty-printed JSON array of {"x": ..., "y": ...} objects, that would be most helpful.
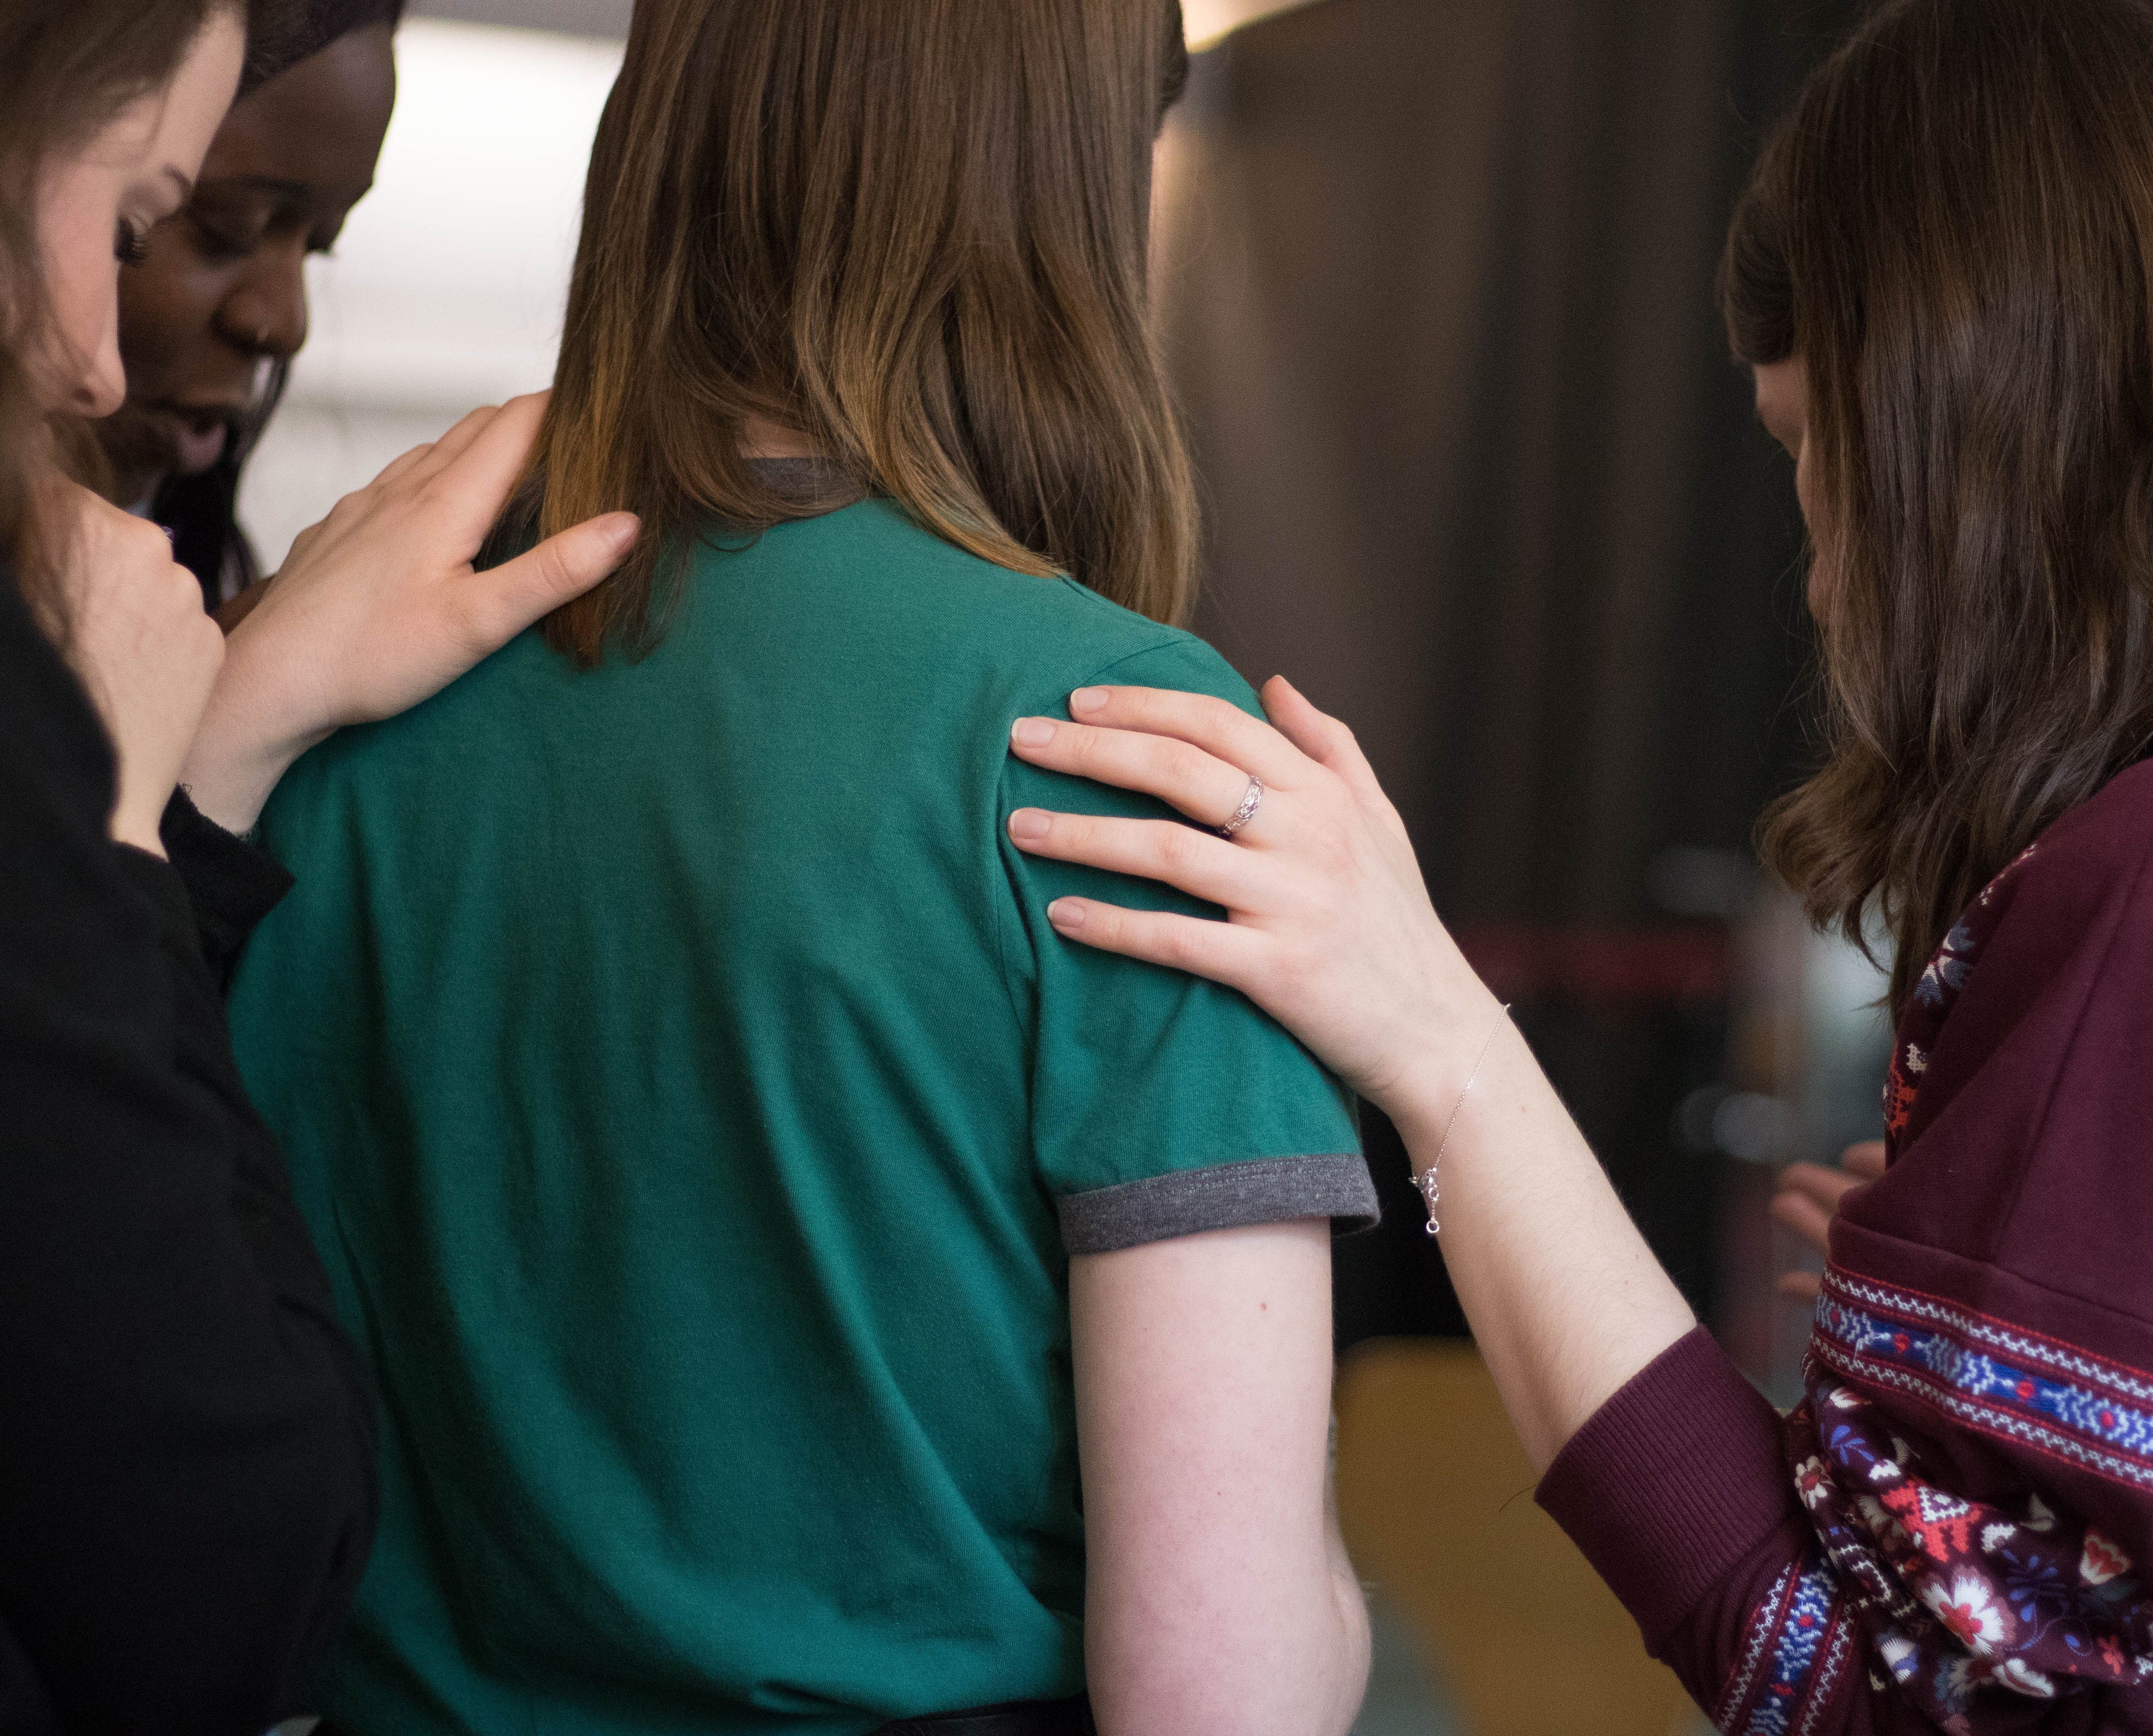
[{"x": 1959, "y": 1599}]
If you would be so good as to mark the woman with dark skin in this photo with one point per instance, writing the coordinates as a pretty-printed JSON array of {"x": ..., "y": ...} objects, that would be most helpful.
[
  {"x": 216, "y": 305},
  {"x": 186, "y": 1487}
]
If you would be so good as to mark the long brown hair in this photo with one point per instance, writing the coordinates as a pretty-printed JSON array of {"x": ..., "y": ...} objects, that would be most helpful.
[
  {"x": 67, "y": 68},
  {"x": 1953, "y": 231},
  {"x": 914, "y": 233}
]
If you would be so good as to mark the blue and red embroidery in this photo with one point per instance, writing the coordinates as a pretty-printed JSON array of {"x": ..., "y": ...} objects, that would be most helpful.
[
  {"x": 1989, "y": 1375},
  {"x": 1795, "y": 1651},
  {"x": 1959, "y": 1599}
]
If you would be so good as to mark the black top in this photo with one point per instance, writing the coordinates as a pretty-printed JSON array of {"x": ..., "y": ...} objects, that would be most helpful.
[{"x": 186, "y": 1487}]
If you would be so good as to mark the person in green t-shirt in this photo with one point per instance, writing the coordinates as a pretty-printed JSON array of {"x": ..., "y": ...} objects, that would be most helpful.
[{"x": 806, "y": 1293}]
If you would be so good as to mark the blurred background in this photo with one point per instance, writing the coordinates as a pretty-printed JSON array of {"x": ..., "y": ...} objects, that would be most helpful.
[{"x": 1435, "y": 279}]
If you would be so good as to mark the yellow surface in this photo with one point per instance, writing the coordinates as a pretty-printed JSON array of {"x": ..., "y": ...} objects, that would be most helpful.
[{"x": 1436, "y": 1498}]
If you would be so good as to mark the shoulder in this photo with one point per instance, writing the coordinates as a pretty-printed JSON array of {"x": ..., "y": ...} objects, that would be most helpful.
[
  {"x": 2018, "y": 1188},
  {"x": 2077, "y": 905},
  {"x": 1045, "y": 635},
  {"x": 1126, "y": 650},
  {"x": 2071, "y": 893},
  {"x": 2101, "y": 846},
  {"x": 2030, "y": 1057}
]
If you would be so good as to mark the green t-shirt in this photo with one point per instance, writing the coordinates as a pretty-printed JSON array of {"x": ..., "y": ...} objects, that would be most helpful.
[{"x": 696, "y": 1113}]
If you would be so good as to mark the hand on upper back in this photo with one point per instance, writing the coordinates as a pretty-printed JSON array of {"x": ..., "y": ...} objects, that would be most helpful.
[
  {"x": 378, "y": 607},
  {"x": 1809, "y": 1197},
  {"x": 1218, "y": 1598},
  {"x": 135, "y": 632},
  {"x": 1330, "y": 928}
]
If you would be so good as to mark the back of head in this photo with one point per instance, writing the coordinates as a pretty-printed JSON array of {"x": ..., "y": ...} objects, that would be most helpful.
[
  {"x": 1953, "y": 232},
  {"x": 916, "y": 235},
  {"x": 67, "y": 68}
]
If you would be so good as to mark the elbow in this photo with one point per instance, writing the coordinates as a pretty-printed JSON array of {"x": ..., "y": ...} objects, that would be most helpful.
[
  {"x": 1303, "y": 1676},
  {"x": 1355, "y": 1653}
]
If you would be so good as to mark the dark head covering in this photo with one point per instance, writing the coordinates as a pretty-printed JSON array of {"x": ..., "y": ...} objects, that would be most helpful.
[{"x": 285, "y": 31}]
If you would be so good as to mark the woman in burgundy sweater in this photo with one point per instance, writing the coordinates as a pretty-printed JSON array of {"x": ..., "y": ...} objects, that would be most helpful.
[{"x": 1942, "y": 274}]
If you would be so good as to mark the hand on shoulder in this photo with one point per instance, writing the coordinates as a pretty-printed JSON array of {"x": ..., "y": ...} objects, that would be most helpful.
[
  {"x": 378, "y": 607},
  {"x": 1328, "y": 928}
]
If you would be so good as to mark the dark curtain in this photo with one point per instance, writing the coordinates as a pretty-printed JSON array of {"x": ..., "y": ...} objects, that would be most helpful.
[{"x": 1436, "y": 282}]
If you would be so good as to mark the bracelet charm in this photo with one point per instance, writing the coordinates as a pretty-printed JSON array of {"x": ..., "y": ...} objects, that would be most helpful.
[{"x": 1430, "y": 1183}]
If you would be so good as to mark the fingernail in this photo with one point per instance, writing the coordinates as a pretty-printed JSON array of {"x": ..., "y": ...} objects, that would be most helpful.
[
  {"x": 1031, "y": 732},
  {"x": 621, "y": 531},
  {"x": 1029, "y": 824},
  {"x": 1065, "y": 913},
  {"x": 1088, "y": 698}
]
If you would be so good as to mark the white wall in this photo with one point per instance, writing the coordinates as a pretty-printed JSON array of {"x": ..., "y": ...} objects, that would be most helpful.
[
  {"x": 445, "y": 290},
  {"x": 1207, "y": 20},
  {"x": 446, "y": 287},
  {"x": 578, "y": 18}
]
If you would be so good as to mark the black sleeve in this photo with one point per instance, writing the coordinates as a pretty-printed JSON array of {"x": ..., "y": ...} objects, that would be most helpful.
[
  {"x": 186, "y": 1489},
  {"x": 230, "y": 885}
]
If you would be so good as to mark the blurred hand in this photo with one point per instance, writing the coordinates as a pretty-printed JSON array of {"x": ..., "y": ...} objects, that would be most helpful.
[
  {"x": 233, "y": 610},
  {"x": 1809, "y": 1197},
  {"x": 136, "y": 635},
  {"x": 378, "y": 607},
  {"x": 1329, "y": 926}
]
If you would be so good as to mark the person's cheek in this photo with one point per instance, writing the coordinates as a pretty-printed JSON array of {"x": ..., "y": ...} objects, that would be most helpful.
[
  {"x": 76, "y": 367},
  {"x": 166, "y": 304},
  {"x": 105, "y": 388},
  {"x": 82, "y": 363}
]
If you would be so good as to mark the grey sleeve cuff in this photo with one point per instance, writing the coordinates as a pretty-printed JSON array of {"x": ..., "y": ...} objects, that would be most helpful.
[{"x": 1227, "y": 1196}]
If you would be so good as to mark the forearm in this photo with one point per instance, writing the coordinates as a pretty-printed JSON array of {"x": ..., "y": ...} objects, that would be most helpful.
[
  {"x": 1725, "y": 1573},
  {"x": 1565, "y": 1299},
  {"x": 250, "y": 734}
]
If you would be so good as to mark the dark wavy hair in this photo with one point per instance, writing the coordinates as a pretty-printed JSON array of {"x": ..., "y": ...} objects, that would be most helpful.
[
  {"x": 1952, "y": 230},
  {"x": 917, "y": 234},
  {"x": 67, "y": 68}
]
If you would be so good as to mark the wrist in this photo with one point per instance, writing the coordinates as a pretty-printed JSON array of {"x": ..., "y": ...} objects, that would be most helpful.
[
  {"x": 251, "y": 733},
  {"x": 138, "y": 826},
  {"x": 1425, "y": 1098}
]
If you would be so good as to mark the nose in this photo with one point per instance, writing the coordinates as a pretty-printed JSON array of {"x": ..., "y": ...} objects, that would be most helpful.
[
  {"x": 102, "y": 387},
  {"x": 265, "y": 313}
]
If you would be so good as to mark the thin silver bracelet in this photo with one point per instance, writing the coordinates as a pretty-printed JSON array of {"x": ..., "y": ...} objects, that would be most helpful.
[{"x": 1430, "y": 1184}]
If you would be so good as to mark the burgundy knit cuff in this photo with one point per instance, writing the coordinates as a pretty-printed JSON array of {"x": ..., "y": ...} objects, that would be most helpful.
[{"x": 1672, "y": 1483}]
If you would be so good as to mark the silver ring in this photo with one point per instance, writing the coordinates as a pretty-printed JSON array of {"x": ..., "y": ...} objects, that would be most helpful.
[{"x": 1247, "y": 811}]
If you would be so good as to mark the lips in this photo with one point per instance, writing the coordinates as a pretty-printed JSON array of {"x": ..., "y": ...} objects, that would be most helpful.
[{"x": 199, "y": 432}]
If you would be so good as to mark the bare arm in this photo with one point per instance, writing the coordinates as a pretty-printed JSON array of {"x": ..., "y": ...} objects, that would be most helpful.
[
  {"x": 1219, "y": 1600},
  {"x": 1331, "y": 931},
  {"x": 1566, "y": 1301}
]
